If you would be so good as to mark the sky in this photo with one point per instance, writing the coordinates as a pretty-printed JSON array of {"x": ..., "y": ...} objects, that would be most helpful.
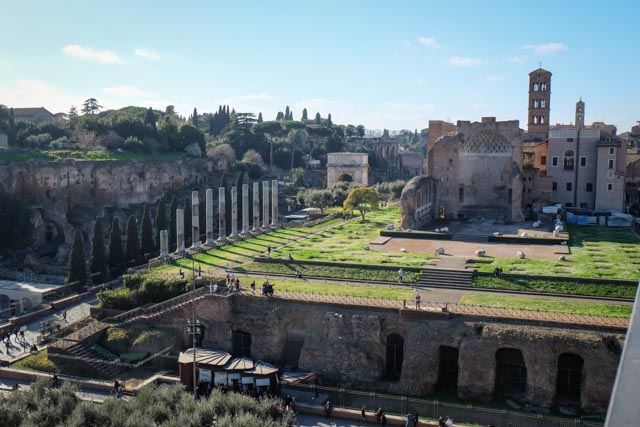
[{"x": 384, "y": 64}]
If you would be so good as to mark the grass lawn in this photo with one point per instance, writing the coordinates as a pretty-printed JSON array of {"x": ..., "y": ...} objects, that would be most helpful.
[
  {"x": 555, "y": 286},
  {"x": 346, "y": 243},
  {"x": 36, "y": 362},
  {"x": 337, "y": 272},
  {"x": 556, "y": 306},
  {"x": 596, "y": 252},
  {"x": 331, "y": 288}
]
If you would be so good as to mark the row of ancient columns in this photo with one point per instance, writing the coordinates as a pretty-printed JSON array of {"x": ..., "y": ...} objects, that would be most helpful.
[{"x": 195, "y": 216}]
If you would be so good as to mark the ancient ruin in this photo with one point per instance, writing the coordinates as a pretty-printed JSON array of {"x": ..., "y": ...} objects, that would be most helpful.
[{"x": 347, "y": 167}]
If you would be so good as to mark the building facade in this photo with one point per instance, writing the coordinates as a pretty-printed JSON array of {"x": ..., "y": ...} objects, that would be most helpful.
[{"x": 539, "y": 103}]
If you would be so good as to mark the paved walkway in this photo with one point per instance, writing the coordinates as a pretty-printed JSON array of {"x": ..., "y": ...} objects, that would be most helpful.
[{"x": 74, "y": 313}]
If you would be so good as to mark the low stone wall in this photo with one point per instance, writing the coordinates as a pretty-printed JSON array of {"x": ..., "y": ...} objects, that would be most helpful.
[
  {"x": 527, "y": 240},
  {"x": 615, "y": 282},
  {"x": 425, "y": 235},
  {"x": 334, "y": 264}
]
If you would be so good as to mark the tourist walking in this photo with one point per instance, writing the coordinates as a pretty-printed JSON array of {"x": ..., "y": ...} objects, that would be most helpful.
[
  {"x": 363, "y": 415},
  {"x": 327, "y": 409},
  {"x": 400, "y": 274},
  {"x": 417, "y": 301},
  {"x": 383, "y": 419},
  {"x": 409, "y": 422}
]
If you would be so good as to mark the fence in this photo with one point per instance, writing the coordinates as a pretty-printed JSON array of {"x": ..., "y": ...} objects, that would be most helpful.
[
  {"x": 432, "y": 409},
  {"x": 30, "y": 277},
  {"x": 453, "y": 308}
]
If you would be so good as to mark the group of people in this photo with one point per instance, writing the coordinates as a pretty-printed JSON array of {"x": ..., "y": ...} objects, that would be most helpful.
[
  {"x": 497, "y": 272},
  {"x": 233, "y": 282},
  {"x": 267, "y": 289},
  {"x": 445, "y": 423},
  {"x": 288, "y": 405},
  {"x": 19, "y": 337},
  {"x": 118, "y": 389}
]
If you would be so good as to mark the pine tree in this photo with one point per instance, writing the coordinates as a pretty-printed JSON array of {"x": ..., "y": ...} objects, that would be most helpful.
[
  {"x": 116, "y": 252},
  {"x": 77, "y": 267},
  {"x": 187, "y": 221},
  {"x": 212, "y": 124},
  {"x": 329, "y": 122},
  {"x": 172, "y": 222},
  {"x": 132, "y": 244},
  {"x": 318, "y": 119},
  {"x": 161, "y": 219},
  {"x": 304, "y": 115},
  {"x": 286, "y": 113},
  {"x": 98, "y": 261},
  {"x": 147, "y": 245},
  {"x": 194, "y": 118},
  {"x": 260, "y": 117},
  {"x": 150, "y": 119}
]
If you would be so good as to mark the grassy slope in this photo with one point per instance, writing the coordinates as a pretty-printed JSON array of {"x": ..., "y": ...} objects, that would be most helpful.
[
  {"x": 54, "y": 155},
  {"x": 557, "y": 306}
]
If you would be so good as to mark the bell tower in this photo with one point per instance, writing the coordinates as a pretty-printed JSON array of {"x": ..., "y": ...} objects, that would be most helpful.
[
  {"x": 539, "y": 102},
  {"x": 580, "y": 114}
]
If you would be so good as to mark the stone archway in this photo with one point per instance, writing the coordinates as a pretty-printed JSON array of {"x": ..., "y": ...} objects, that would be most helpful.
[{"x": 342, "y": 165}]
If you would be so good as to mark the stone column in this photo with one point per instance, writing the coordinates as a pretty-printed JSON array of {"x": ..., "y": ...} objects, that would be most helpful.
[
  {"x": 209, "y": 201},
  {"x": 265, "y": 204},
  {"x": 234, "y": 212},
  {"x": 195, "y": 220},
  {"x": 222, "y": 222},
  {"x": 256, "y": 205},
  {"x": 245, "y": 208},
  {"x": 274, "y": 202},
  {"x": 164, "y": 243},
  {"x": 180, "y": 231}
]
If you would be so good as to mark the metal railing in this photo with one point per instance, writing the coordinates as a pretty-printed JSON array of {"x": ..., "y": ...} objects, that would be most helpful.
[
  {"x": 432, "y": 409},
  {"x": 30, "y": 277}
]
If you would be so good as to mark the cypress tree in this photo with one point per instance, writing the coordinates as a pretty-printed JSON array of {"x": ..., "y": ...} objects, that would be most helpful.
[
  {"x": 194, "y": 118},
  {"x": 161, "y": 219},
  {"x": 132, "y": 244},
  {"x": 260, "y": 117},
  {"x": 147, "y": 245},
  {"x": 77, "y": 268},
  {"x": 286, "y": 113},
  {"x": 12, "y": 129},
  {"x": 172, "y": 222},
  {"x": 98, "y": 259},
  {"x": 187, "y": 221},
  {"x": 150, "y": 119},
  {"x": 318, "y": 119},
  {"x": 116, "y": 252},
  {"x": 329, "y": 122},
  {"x": 304, "y": 115}
]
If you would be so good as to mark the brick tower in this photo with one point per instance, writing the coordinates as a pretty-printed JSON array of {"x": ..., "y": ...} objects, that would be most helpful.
[
  {"x": 539, "y": 102},
  {"x": 580, "y": 114}
]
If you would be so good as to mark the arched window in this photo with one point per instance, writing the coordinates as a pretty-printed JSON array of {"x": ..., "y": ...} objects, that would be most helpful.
[
  {"x": 511, "y": 372},
  {"x": 535, "y": 87},
  {"x": 569, "y": 381},
  {"x": 569, "y": 160},
  {"x": 543, "y": 87},
  {"x": 535, "y": 120},
  {"x": 241, "y": 344},
  {"x": 395, "y": 354},
  {"x": 543, "y": 103},
  {"x": 448, "y": 368},
  {"x": 535, "y": 103},
  {"x": 541, "y": 120}
]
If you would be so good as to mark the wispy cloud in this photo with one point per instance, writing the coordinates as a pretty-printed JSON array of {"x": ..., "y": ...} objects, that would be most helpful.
[
  {"x": 545, "y": 49},
  {"x": 494, "y": 78},
  {"x": 146, "y": 53},
  {"x": 38, "y": 93},
  {"x": 518, "y": 59},
  {"x": 457, "y": 61},
  {"x": 125, "y": 90},
  {"x": 91, "y": 54},
  {"x": 406, "y": 42},
  {"x": 431, "y": 42}
]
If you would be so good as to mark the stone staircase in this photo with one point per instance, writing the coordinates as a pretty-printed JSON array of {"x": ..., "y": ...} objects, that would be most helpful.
[
  {"x": 93, "y": 359},
  {"x": 445, "y": 277}
]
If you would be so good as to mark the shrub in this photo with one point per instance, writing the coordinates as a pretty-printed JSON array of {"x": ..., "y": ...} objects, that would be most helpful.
[
  {"x": 118, "y": 299},
  {"x": 41, "y": 140},
  {"x": 133, "y": 145}
]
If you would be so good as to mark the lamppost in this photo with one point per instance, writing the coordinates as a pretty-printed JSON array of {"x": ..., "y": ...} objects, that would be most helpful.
[{"x": 192, "y": 324}]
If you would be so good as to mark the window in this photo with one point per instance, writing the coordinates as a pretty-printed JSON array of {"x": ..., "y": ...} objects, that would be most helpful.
[
  {"x": 569, "y": 139},
  {"x": 609, "y": 174},
  {"x": 543, "y": 103},
  {"x": 609, "y": 187},
  {"x": 569, "y": 186},
  {"x": 541, "y": 120},
  {"x": 461, "y": 194},
  {"x": 589, "y": 187},
  {"x": 543, "y": 87},
  {"x": 569, "y": 379},
  {"x": 511, "y": 372},
  {"x": 569, "y": 205},
  {"x": 554, "y": 186},
  {"x": 528, "y": 190},
  {"x": 535, "y": 87},
  {"x": 241, "y": 344},
  {"x": 583, "y": 161},
  {"x": 569, "y": 159},
  {"x": 554, "y": 161},
  {"x": 611, "y": 163},
  {"x": 535, "y": 120},
  {"x": 583, "y": 205},
  {"x": 535, "y": 103},
  {"x": 543, "y": 160},
  {"x": 448, "y": 369},
  {"x": 612, "y": 151}
]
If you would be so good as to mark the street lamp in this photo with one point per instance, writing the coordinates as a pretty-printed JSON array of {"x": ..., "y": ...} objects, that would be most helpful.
[{"x": 192, "y": 324}]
